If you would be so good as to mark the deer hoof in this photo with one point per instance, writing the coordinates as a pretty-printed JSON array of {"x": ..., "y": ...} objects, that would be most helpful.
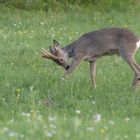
[
  {"x": 94, "y": 86},
  {"x": 62, "y": 78},
  {"x": 136, "y": 82}
]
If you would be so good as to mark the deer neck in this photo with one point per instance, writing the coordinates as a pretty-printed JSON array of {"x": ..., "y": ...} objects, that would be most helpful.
[{"x": 69, "y": 50}]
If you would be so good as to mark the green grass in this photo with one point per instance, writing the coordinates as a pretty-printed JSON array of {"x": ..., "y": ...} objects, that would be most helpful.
[{"x": 36, "y": 105}]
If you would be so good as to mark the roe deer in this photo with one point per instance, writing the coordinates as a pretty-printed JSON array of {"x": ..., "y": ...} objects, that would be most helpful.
[{"x": 93, "y": 45}]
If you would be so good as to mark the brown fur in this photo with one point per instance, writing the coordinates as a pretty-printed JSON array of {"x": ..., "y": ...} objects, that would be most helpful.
[{"x": 93, "y": 45}]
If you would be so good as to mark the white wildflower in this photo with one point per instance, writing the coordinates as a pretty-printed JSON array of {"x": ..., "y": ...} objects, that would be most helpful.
[
  {"x": 52, "y": 118},
  {"x": 4, "y": 36},
  {"x": 36, "y": 53},
  {"x": 22, "y": 136},
  {"x": 5, "y": 129},
  {"x": 26, "y": 114},
  {"x": 12, "y": 134},
  {"x": 31, "y": 88},
  {"x": 8, "y": 85},
  {"x": 52, "y": 126},
  {"x": 14, "y": 25},
  {"x": 42, "y": 23},
  {"x": 125, "y": 136},
  {"x": 49, "y": 134},
  {"x": 127, "y": 119},
  {"x": 97, "y": 117},
  {"x": 11, "y": 121},
  {"x": 20, "y": 32},
  {"x": 70, "y": 38},
  {"x": 106, "y": 138},
  {"x": 90, "y": 128},
  {"x": 117, "y": 136},
  {"x": 93, "y": 102},
  {"x": 3, "y": 99},
  {"x": 111, "y": 122},
  {"x": 137, "y": 136},
  {"x": 52, "y": 29},
  {"x": 67, "y": 134},
  {"x": 77, "y": 111}
]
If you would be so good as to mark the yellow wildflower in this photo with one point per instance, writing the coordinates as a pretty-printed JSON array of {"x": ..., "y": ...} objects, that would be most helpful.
[
  {"x": 102, "y": 131},
  {"x": 18, "y": 90}
]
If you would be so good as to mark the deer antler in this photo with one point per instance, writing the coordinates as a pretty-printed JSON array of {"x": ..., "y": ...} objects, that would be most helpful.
[{"x": 48, "y": 55}]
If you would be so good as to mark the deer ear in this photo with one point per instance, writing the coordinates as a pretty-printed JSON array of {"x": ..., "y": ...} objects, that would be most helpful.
[{"x": 56, "y": 44}]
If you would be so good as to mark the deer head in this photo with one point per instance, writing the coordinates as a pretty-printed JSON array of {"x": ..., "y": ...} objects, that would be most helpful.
[{"x": 57, "y": 54}]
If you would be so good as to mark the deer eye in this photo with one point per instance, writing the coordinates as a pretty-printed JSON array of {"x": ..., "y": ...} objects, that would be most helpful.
[{"x": 61, "y": 59}]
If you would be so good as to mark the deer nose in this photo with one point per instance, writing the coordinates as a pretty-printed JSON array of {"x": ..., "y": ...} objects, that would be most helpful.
[{"x": 67, "y": 67}]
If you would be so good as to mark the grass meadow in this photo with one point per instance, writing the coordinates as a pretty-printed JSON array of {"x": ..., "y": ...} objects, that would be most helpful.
[{"x": 36, "y": 105}]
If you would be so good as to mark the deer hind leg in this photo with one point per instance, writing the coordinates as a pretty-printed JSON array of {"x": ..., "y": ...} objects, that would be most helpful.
[
  {"x": 137, "y": 66},
  {"x": 138, "y": 69},
  {"x": 129, "y": 58},
  {"x": 93, "y": 73}
]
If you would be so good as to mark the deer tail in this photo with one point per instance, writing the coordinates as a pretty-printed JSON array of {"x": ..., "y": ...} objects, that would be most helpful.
[{"x": 138, "y": 44}]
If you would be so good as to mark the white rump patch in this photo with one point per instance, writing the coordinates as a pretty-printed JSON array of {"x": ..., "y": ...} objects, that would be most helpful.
[{"x": 138, "y": 44}]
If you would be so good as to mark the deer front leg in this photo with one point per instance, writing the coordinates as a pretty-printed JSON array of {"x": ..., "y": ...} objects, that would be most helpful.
[
  {"x": 93, "y": 72},
  {"x": 72, "y": 67}
]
